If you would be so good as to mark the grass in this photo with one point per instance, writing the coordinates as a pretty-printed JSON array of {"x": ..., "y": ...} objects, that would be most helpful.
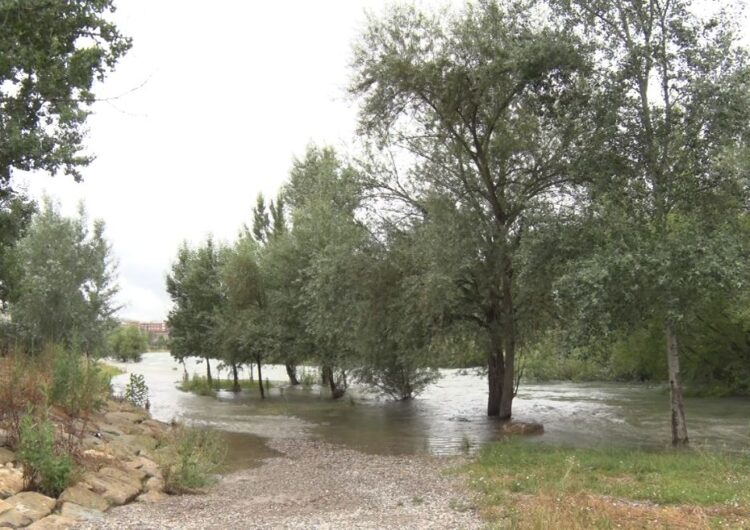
[
  {"x": 109, "y": 370},
  {"x": 526, "y": 485},
  {"x": 198, "y": 384}
]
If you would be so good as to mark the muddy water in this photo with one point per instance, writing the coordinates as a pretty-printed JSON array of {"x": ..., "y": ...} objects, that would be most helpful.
[{"x": 446, "y": 419}]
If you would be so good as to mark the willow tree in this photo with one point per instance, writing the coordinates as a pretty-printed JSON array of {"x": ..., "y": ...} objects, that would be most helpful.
[
  {"x": 675, "y": 93},
  {"x": 484, "y": 105}
]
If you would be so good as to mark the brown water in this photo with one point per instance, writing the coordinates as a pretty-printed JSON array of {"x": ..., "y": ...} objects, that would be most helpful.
[{"x": 446, "y": 419}]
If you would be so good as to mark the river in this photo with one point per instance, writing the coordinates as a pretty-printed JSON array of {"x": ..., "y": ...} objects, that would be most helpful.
[{"x": 447, "y": 418}]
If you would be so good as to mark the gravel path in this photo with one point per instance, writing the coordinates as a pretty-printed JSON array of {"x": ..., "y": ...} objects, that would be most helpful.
[{"x": 318, "y": 485}]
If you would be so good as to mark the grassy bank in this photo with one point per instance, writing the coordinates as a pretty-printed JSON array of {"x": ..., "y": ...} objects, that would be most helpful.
[
  {"x": 198, "y": 384},
  {"x": 526, "y": 485}
]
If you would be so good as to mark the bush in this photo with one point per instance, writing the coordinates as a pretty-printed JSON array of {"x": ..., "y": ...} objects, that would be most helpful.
[
  {"x": 136, "y": 391},
  {"x": 78, "y": 385},
  {"x": 46, "y": 468},
  {"x": 190, "y": 458},
  {"x": 23, "y": 383}
]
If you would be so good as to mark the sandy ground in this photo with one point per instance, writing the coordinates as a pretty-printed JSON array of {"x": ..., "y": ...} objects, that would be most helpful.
[{"x": 317, "y": 485}]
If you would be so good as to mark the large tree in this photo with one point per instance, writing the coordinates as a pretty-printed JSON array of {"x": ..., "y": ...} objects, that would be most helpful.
[
  {"x": 485, "y": 105},
  {"x": 67, "y": 287},
  {"x": 51, "y": 53},
  {"x": 670, "y": 185}
]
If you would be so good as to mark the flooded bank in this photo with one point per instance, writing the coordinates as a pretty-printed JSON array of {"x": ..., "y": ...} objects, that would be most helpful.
[{"x": 448, "y": 418}]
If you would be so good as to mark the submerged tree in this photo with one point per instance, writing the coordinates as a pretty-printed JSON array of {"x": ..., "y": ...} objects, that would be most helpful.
[
  {"x": 194, "y": 286},
  {"x": 669, "y": 187},
  {"x": 487, "y": 106}
]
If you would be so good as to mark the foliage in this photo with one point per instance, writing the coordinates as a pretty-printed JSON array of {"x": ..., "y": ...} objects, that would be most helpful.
[
  {"x": 487, "y": 112},
  {"x": 53, "y": 52},
  {"x": 23, "y": 385},
  {"x": 77, "y": 384},
  {"x": 66, "y": 292},
  {"x": 136, "y": 391},
  {"x": 127, "y": 343},
  {"x": 46, "y": 468},
  {"x": 190, "y": 458},
  {"x": 15, "y": 215}
]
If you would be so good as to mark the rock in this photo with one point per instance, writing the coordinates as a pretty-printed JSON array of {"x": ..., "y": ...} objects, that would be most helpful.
[
  {"x": 146, "y": 465},
  {"x": 4, "y": 507},
  {"x": 151, "y": 496},
  {"x": 11, "y": 482},
  {"x": 80, "y": 495},
  {"x": 116, "y": 486},
  {"x": 6, "y": 455},
  {"x": 53, "y": 522},
  {"x": 28, "y": 507},
  {"x": 522, "y": 428},
  {"x": 80, "y": 513},
  {"x": 133, "y": 444},
  {"x": 154, "y": 484},
  {"x": 3, "y": 437}
]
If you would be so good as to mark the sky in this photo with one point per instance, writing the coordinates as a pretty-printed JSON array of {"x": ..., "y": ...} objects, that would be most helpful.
[{"x": 213, "y": 102}]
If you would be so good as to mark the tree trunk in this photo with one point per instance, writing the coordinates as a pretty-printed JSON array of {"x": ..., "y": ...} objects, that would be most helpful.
[
  {"x": 679, "y": 427},
  {"x": 236, "y": 378},
  {"x": 324, "y": 375},
  {"x": 509, "y": 343},
  {"x": 260, "y": 381},
  {"x": 291, "y": 371},
  {"x": 336, "y": 391},
  {"x": 208, "y": 373},
  {"x": 494, "y": 378}
]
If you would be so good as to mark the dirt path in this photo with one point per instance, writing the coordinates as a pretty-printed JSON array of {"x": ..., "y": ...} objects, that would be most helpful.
[{"x": 317, "y": 485}]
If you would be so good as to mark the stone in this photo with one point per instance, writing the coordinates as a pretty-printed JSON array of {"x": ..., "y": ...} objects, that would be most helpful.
[
  {"x": 80, "y": 513},
  {"x": 3, "y": 437},
  {"x": 522, "y": 428},
  {"x": 31, "y": 505},
  {"x": 151, "y": 497},
  {"x": 11, "y": 482},
  {"x": 4, "y": 507},
  {"x": 14, "y": 519},
  {"x": 53, "y": 522},
  {"x": 154, "y": 484},
  {"x": 82, "y": 496},
  {"x": 113, "y": 485},
  {"x": 6, "y": 455},
  {"x": 146, "y": 465},
  {"x": 133, "y": 444}
]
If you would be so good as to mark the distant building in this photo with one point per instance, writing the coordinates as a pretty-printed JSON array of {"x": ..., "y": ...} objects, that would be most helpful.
[{"x": 155, "y": 330}]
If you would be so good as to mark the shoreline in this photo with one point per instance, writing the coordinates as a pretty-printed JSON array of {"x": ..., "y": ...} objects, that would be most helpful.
[{"x": 316, "y": 484}]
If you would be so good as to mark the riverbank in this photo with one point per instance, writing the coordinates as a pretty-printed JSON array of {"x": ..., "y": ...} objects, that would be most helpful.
[
  {"x": 116, "y": 455},
  {"x": 314, "y": 484},
  {"x": 527, "y": 485}
]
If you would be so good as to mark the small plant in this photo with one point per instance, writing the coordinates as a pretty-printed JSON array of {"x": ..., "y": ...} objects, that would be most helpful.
[
  {"x": 307, "y": 378},
  {"x": 78, "y": 385},
  {"x": 45, "y": 468},
  {"x": 136, "y": 391},
  {"x": 190, "y": 458}
]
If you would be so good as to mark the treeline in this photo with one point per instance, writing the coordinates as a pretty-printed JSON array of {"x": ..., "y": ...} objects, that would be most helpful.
[{"x": 560, "y": 173}]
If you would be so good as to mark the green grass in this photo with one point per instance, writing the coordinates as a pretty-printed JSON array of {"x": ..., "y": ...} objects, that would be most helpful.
[
  {"x": 198, "y": 384},
  {"x": 528, "y": 485},
  {"x": 108, "y": 370},
  {"x": 664, "y": 477}
]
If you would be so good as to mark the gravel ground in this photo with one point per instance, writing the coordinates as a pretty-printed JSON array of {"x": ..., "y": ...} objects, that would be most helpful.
[{"x": 318, "y": 485}]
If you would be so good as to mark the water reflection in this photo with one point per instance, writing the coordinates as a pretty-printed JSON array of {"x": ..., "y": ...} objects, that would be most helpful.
[{"x": 447, "y": 418}]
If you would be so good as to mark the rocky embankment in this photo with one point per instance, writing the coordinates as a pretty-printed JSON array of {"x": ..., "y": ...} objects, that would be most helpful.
[{"x": 118, "y": 449}]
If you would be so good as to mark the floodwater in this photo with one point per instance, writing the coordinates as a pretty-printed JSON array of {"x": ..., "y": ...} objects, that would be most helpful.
[{"x": 448, "y": 418}]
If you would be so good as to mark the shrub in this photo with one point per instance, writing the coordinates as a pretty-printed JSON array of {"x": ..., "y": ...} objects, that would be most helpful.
[
  {"x": 46, "y": 468},
  {"x": 190, "y": 458},
  {"x": 23, "y": 383},
  {"x": 136, "y": 391},
  {"x": 78, "y": 385}
]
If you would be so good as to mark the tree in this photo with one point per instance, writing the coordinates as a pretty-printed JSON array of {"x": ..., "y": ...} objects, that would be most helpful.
[
  {"x": 195, "y": 286},
  {"x": 15, "y": 215},
  {"x": 323, "y": 194},
  {"x": 66, "y": 292},
  {"x": 52, "y": 52},
  {"x": 670, "y": 190},
  {"x": 487, "y": 108},
  {"x": 127, "y": 343}
]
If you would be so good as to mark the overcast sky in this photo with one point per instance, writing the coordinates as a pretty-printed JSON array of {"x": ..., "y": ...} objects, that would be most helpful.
[
  {"x": 233, "y": 90},
  {"x": 216, "y": 99}
]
